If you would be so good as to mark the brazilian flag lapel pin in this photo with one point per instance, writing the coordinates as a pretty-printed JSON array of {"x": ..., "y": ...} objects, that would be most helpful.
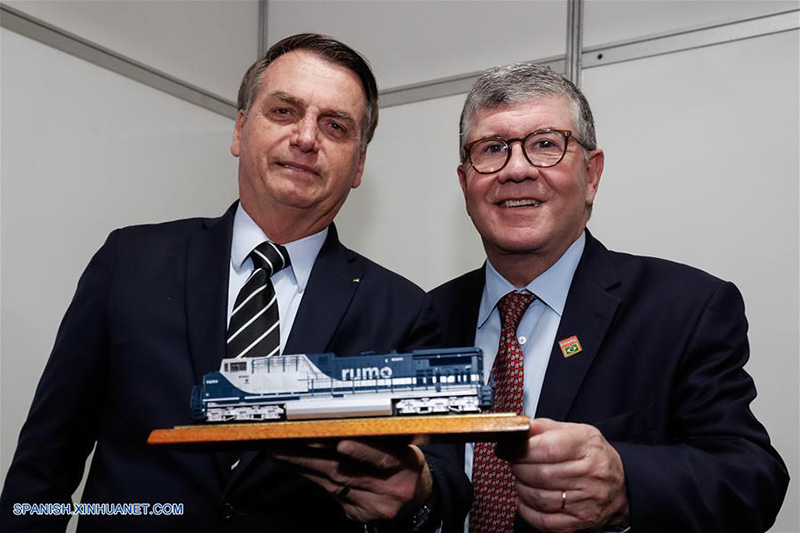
[{"x": 570, "y": 346}]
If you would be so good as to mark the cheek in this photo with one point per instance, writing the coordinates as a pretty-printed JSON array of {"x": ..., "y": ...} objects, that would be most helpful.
[
  {"x": 476, "y": 189},
  {"x": 472, "y": 199}
]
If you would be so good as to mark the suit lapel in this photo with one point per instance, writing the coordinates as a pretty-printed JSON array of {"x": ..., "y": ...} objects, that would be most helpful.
[
  {"x": 588, "y": 312},
  {"x": 207, "y": 272},
  {"x": 331, "y": 287},
  {"x": 460, "y": 327}
]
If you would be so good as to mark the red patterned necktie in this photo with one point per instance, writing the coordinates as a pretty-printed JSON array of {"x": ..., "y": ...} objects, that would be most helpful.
[{"x": 493, "y": 508}]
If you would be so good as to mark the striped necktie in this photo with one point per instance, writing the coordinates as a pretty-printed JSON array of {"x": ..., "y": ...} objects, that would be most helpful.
[
  {"x": 493, "y": 509},
  {"x": 254, "y": 329}
]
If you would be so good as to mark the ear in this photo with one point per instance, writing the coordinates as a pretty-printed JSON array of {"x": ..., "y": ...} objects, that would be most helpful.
[
  {"x": 362, "y": 159},
  {"x": 462, "y": 180},
  {"x": 237, "y": 134},
  {"x": 594, "y": 171}
]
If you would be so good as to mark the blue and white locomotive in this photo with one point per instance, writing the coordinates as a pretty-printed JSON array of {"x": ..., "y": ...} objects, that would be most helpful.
[{"x": 312, "y": 386}]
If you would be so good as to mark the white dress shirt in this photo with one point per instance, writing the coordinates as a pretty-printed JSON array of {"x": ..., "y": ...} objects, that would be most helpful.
[{"x": 290, "y": 283}]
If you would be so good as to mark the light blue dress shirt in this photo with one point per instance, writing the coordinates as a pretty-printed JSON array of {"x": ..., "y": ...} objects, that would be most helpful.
[
  {"x": 290, "y": 283},
  {"x": 537, "y": 330}
]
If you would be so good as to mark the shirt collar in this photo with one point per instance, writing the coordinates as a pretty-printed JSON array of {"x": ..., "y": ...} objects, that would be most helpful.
[
  {"x": 303, "y": 252},
  {"x": 551, "y": 286}
]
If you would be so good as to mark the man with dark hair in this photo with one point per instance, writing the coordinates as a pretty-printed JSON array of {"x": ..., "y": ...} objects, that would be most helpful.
[
  {"x": 631, "y": 366},
  {"x": 160, "y": 305}
]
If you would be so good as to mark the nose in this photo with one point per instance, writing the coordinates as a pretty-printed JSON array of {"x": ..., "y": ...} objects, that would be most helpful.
[
  {"x": 305, "y": 134},
  {"x": 518, "y": 167}
]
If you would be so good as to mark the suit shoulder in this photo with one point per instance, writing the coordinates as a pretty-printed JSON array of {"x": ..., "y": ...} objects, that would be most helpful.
[
  {"x": 390, "y": 280},
  {"x": 661, "y": 266},
  {"x": 645, "y": 275},
  {"x": 465, "y": 282},
  {"x": 170, "y": 234},
  {"x": 185, "y": 226}
]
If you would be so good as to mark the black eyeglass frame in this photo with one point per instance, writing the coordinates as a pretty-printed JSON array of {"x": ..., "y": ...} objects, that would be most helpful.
[{"x": 566, "y": 133}]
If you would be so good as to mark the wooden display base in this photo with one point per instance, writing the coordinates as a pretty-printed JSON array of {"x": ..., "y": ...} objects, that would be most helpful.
[{"x": 413, "y": 429}]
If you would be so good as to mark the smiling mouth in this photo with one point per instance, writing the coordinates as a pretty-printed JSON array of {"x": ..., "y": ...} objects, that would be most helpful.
[{"x": 521, "y": 203}]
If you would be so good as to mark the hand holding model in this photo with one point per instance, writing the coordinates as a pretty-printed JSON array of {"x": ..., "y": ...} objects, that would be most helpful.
[
  {"x": 373, "y": 481},
  {"x": 569, "y": 478}
]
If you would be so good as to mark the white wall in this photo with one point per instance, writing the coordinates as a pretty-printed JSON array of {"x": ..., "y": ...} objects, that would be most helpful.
[
  {"x": 409, "y": 212},
  {"x": 411, "y": 42},
  {"x": 84, "y": 151},
  {"x": 609, "y": 21},
  {"x": 207, "y": 43}
]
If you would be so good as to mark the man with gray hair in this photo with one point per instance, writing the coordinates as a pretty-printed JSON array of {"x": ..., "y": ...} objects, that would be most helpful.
[{"x": 631, "y": 367}]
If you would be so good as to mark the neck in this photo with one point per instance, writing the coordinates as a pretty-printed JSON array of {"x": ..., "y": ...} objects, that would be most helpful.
[
  {"x": 284, "y": 225},
  {"x": 520, "y": 268}
]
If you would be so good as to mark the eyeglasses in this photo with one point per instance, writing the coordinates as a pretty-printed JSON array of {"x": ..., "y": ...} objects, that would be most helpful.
[{"x": 542, "y": 148}]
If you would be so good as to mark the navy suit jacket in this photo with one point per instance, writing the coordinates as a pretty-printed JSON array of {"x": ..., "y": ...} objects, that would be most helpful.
[
  {"x": 661, "y": 375},
  {"x": 147, "y": 321}
]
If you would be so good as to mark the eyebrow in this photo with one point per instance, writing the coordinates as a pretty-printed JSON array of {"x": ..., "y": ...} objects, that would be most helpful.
[
  {"x": 288, "y": 98},
  {"x": 342, "y": 115},
  {"x": 293, "y": 100},
  {"x": 537, "y": 130}
]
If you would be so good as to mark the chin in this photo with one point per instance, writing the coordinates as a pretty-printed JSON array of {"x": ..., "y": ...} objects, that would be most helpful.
[
  {"x": 516, "y": 246},
  {"x": 294, "y": 196}
]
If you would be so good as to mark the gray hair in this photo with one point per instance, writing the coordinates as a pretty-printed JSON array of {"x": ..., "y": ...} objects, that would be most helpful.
[{"x": 522, "y": 82}]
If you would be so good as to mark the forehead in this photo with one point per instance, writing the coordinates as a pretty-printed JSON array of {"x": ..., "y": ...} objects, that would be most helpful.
[
  {"x": 310, "y": 78},
  {"x": 520, "y": 119}
]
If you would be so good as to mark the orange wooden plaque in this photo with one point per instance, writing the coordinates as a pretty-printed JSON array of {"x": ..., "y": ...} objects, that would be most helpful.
[{"x": 492, "y": 427}]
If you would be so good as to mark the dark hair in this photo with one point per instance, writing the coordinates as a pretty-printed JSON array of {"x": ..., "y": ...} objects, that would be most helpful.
[{"x": 328, "y": 48}]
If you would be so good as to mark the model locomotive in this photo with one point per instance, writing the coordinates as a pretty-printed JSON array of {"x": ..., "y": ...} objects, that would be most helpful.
[{"x": 306, "y": 386}]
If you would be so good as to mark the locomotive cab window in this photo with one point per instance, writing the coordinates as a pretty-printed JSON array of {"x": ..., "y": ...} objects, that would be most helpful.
[{"x": 238, "y": 366}]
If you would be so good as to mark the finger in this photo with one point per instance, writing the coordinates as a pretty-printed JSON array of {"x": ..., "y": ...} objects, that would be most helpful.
[
  {"x": 540, "y": 425},
  {"x": 555, "y": 476},
  {"x": 557, "y": 443},
  {"x": 319, "y": 445},
  {"x": 363, "y": 499},
  {"x": 544, "y": 501},
  {"x": 326, "y": 483},
  {"x": 337, "y": 472},
  {"x": 556, "y": 522},
  {"x": 384, "y": 456}
]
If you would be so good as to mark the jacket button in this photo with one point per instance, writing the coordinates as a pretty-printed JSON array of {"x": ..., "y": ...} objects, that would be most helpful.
[{"x": 226, "y": 511}]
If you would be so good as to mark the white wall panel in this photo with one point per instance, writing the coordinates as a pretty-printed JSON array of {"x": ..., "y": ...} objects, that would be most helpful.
[
  {"x": 702, "y": 168},
  {"x": 608, "y": 21},
  {"x": 208, "y": 44},
  {"x": 409, "y": 213},
  {"x": 84, "y": 151},
  {"x": 413, "y": 41}
]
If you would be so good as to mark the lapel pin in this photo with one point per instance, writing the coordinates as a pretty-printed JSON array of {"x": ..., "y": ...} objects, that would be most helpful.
[{"x": 570, "y": 346}]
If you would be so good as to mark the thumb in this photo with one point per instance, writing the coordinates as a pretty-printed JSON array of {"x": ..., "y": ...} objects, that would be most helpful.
[{"x": 541, "y": 425}]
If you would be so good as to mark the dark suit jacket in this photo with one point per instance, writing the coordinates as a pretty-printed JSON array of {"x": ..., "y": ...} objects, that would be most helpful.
[
  {"x": 661, "y": 375},
  {"x": 147, "y": 321}
]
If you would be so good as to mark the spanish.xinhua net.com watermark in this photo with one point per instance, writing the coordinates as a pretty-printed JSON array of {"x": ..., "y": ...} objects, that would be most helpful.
[{"x": 98, "y": 509}]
